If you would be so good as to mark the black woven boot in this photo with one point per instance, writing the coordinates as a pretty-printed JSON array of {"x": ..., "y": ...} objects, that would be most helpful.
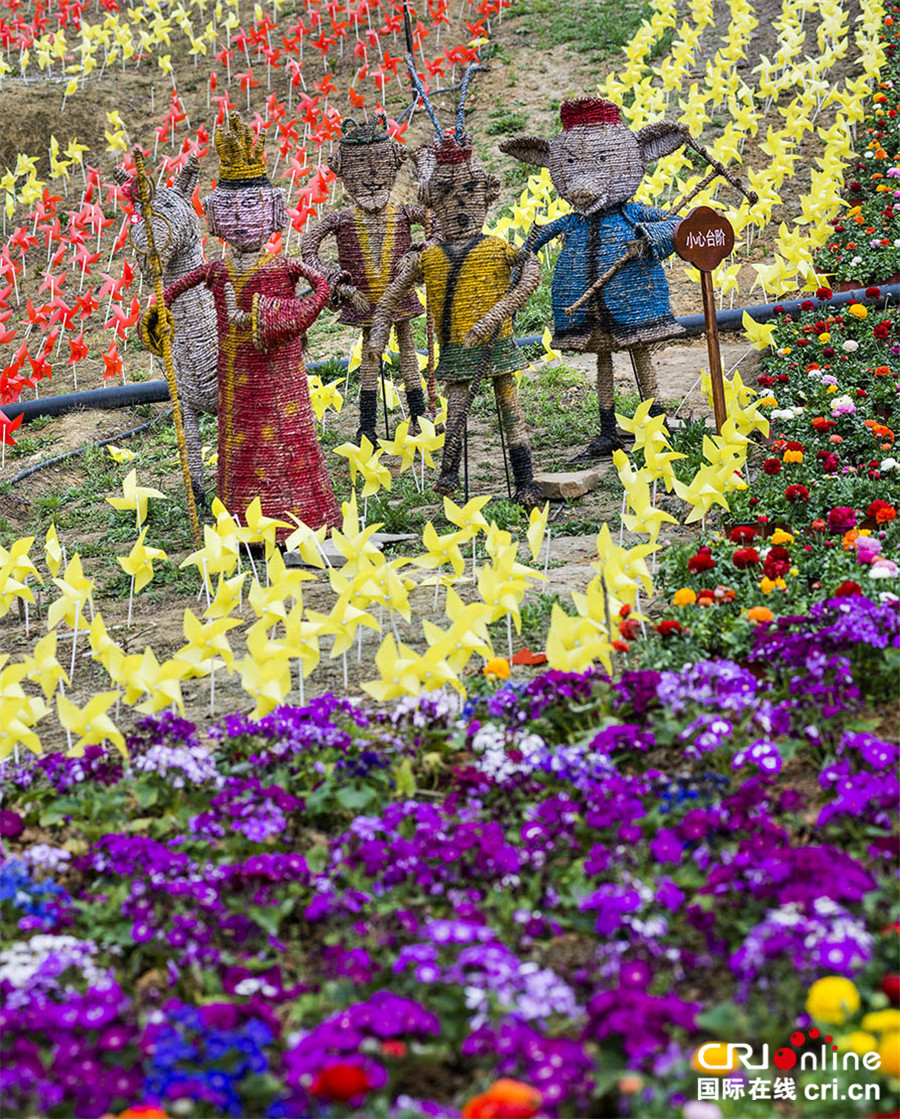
[
  {"x": 606, "y": 442},
  {"x": 415, "y": 405},
  {"x": 528, "y": 492},
  {"x": 368, "y": 416}
]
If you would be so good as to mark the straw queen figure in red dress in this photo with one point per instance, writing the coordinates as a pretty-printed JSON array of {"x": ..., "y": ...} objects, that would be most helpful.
[{"x": 268, "y": 447}]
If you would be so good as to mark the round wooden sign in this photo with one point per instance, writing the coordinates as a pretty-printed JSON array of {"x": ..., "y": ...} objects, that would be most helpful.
[{"x": 704, "y": 238}]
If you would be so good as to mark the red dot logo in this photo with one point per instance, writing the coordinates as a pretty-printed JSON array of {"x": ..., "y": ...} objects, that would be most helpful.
[
  {"x": 797, "y": 1038},
  {"x": 785, "y": 1059},
  {"x": 815, "y": 1033}
]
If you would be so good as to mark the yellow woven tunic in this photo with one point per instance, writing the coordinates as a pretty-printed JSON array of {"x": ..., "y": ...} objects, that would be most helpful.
[{"x": 462, "y": 285}]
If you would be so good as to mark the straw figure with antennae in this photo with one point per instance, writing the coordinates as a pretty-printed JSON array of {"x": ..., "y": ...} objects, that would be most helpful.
[
  {"x": 268, "y": 447},
  {"x": 472, "y": 292},
  {"x": 609, "y": 290},
  {"x": 372, "y": 237}
]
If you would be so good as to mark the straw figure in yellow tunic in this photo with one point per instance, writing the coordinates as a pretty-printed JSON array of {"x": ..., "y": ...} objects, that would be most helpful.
[
  {"x": 372, "y": 237},
  {"x": 268, "y": 447},
  {"x": 468, "y": 277}
]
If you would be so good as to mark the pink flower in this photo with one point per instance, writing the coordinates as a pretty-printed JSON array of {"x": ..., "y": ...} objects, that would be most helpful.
[{"x": 867, "y": 548}]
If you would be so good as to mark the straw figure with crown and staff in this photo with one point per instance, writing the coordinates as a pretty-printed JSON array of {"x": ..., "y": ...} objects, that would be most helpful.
[
  {"x": 268, "y": 447},
  {"x": 372, "y": 237}
]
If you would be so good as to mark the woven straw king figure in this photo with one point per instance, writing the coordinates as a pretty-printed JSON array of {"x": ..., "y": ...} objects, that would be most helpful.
[
  {"x": 268, "y": 446},
  {"x": 597, "y": 164},
  {"x": 372, "y": 237},
  {"x": 468, "y": 281}
]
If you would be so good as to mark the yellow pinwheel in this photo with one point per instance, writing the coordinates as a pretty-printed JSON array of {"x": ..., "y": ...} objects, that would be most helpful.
[
  {"x": 135, "y": 497},
  {"x": 308, "y": 542},
  {"x": 160, "y": 683},
  {"x": 537, "y": 526},
  {"x": 394, "y": 661},
  {"x": 702, "y": 494},
  {"x": 760, "y": 334},
  {"x": 206, "y": 643},
  {"x": 265, "y": 672},
  {"x": 53, "y": 552},
  {"x": 468, "y": 517},
  {"x": 227, "y": 597},
  {"x": 301, "y": 640},
  {"x": 91, "y": 724},
  {"x": 573, "y": 644},
  {"x": 260, "y": 529},
  {"x": 645, "y": 517},
  {"x": 441, "y": 550},
  {"x": 139, "y": 562},
  {"x": 42, "y": 667}
]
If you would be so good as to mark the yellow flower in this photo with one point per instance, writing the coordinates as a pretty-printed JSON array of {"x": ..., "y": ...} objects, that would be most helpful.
[
  {"x": 718, "y": 1057},
  {"x": 832, "y": 1000},
  {"x": 684, "y": 597},
  {"x": 795, "y": 571},
  {"x": 857, "y": 1042},
  {"x": 497, "y": 667},
  {"x": 889, "y": 1052},
  {"x": 825, "y": 337},
  {"x": 793, "y": 456},
  {"x": 779, "y": 536},
  {"x": 767, "y": 402},
  {"x": 831, "y": 388},
  {"x": 760, "y": 614},
  {"x": 858, "y": 311},
  {"x": 767, "y": 585},
  {"x": 882, "y": 1021}
]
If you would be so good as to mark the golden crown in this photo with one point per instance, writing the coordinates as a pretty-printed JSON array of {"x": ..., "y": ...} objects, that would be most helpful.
[{"x": 241, "y": 155}]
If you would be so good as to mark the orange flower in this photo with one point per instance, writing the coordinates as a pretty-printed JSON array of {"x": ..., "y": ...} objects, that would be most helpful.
[
  {"x": 760, "y": 614},
  {"x": 139, "y": 1111},
  {"x": 498, "y": 667},
  {"x": 684, "y": 596},
  {"x": 882, "y": 371},
  {"x": 793, "y": 456},
  {"x": 849, "y": 539},
  {"x": 505, "y": 1099}
]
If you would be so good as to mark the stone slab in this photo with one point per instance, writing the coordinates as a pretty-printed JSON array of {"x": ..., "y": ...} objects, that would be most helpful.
[{"x": 568, "y": 483}]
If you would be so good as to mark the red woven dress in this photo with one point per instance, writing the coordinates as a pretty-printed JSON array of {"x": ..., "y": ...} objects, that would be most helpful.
[{"x": 268, "y": 447}]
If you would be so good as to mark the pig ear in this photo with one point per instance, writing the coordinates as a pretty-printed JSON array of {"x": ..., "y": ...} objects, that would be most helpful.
[
  {"x": 528, "y": 149},
  {"x": 660, "y": 138}
]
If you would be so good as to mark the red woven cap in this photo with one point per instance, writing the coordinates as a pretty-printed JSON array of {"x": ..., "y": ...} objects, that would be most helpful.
[
  {"x": 447, "y": 150},
  {"x": 589, "y": 110}
]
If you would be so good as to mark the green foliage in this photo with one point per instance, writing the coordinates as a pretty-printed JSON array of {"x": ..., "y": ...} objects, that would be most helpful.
[{"x": 596, "y": 27}]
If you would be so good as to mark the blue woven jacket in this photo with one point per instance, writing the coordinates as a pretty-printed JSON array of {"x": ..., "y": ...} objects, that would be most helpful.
[{"x": 637, "y": 297}]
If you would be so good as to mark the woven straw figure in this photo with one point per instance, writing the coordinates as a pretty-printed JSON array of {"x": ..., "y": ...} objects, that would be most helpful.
[
  {"x": 468, "y": 279},
  {"x": 596, "y": 164},
  {"x": 268, "y": 446},
  {"x": 372, "y": 237},
  {"x": 195, "y": 347}
]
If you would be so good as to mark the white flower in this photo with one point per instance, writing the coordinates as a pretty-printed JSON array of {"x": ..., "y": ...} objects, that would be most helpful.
[
  {"x": 888, "y": 464},
  {"x": 870, "y": 155},
  {"x": 856, "y": 260},
  {"x": 851, "y": 346}
]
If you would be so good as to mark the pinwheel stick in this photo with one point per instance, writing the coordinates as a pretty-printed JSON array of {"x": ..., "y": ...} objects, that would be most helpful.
[{"x": 144, "y": 195}]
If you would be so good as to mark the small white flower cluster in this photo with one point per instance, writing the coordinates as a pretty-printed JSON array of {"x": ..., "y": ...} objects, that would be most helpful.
[
  {"x": 35, "y": 965},
  {"x": 786, "y": 413},
  {"x": 43, "y": 856},
  {"x": 192, "y": 764}
]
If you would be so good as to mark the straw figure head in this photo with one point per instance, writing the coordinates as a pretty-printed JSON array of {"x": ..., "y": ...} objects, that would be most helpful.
[
  {"x": 455, "y": 187},
  {"x": 367, "y": 160},
  {"x": 597, "y": 162},
  {"x": 244, "y": 209}
]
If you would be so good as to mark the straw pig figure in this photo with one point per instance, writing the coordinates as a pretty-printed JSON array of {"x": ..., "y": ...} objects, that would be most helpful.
[
  {"x": 596, "y": 164},
  {"x": 372, "y": 237},
  {"x": 468, "y": 281},
  {"x": 176, "y": 234}
]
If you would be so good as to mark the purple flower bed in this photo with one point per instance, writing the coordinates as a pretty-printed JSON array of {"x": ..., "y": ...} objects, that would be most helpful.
[{"x": 339, "y": 910}]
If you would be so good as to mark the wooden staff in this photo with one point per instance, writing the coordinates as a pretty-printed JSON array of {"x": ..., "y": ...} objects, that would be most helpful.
[{"x": 144, "y": 195}]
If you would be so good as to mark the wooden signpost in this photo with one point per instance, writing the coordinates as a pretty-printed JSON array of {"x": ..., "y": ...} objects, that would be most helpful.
[{"x": 704, "y": 238}]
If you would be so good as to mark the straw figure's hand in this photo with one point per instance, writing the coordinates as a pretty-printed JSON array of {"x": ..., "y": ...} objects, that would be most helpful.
[
  {"x": 348, "y": 293},
  {"x": 235, "y": 316},
  {"x": 156, "y": 323},
  {"x": 638, "y": 248}
]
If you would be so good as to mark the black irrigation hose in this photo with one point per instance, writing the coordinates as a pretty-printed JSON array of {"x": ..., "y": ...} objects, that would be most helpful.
[
  {"x": 157, "y": 392},
  {"x": 80, "y": 450}
]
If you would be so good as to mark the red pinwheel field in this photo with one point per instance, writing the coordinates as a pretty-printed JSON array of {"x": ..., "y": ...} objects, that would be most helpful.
[{"x": 451, "y": 803}]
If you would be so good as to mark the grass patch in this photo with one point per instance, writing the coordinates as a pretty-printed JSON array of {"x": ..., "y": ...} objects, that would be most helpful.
[{"x": 595, "y": 27}]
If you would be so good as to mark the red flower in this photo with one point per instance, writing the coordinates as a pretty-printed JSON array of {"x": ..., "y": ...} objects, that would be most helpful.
[
  {"x": 847, "y": 589},
  {"x": 826, "y": 293},
  {"x": 394, "y": 1048},
  {"x": 743, "y": 534},
  {"x": 821, "y": 424},
  {"x": 873, "y": 292},
  {"x": 777, "y": 562},
  {"x": 882, "y": 511},
  {"x": 818, "y": 526},
  {"x": 341, "y": 1082},
  {"x": 702, "y": 561},
  {"x": 765, "y": 380},
  {"x": 745, "y": 557},
  {"x": 668, "y": 627},
  {"x": 831, "y": 464},
  {"x": 629, "y": 629},
  {"x": 772, "y": 466},
  {"x": 793, "y": 445},
  {"x": 841, "y": 518}
]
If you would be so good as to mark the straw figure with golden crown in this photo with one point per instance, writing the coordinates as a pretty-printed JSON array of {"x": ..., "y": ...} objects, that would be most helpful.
[
  {"x": 372, "y": 237},
  {"x": 268, "y": 447}
]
